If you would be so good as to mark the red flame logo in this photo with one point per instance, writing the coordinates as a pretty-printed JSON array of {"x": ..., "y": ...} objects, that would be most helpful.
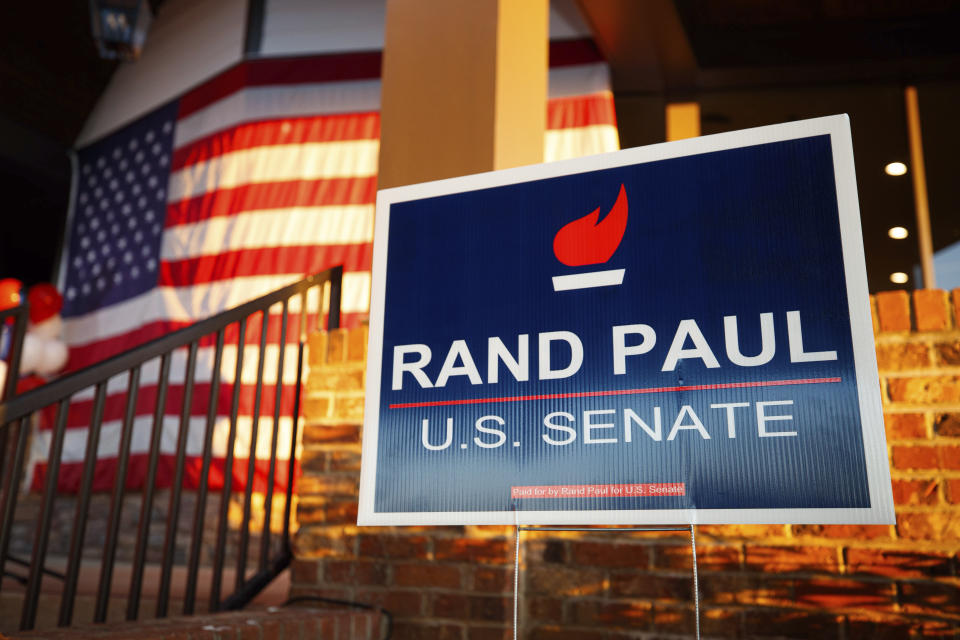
[{"x": 585, "y": 241}]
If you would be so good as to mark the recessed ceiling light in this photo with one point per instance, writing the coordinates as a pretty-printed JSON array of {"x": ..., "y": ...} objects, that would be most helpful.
[
  {"x": 898, "y": 233},
  {"x": 895, "y": 169},
  {"x": 899, "y": 277}
]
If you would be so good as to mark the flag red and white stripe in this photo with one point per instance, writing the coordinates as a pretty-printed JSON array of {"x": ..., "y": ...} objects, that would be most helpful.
[{"x": 271, "y": 176}]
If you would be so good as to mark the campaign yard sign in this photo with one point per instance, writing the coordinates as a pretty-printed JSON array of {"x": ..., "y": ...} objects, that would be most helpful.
[{"x": 678, "y": 333}]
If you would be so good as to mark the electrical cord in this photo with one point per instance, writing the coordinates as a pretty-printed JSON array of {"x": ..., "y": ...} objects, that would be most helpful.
[{"x": 347, "y": 603}]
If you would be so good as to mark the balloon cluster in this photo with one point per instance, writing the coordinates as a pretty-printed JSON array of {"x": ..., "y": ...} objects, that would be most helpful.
[{"x": 44, "y": 353}]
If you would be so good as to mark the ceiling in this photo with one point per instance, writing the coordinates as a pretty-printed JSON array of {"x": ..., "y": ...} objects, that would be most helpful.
[{"x": 747, "y": 62}]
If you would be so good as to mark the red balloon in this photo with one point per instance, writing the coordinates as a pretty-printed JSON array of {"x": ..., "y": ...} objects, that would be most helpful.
[
  {"x": 9, "y": 293},
  {"x": 45, "y": 302},
  {"x": 29, "y": 383}
]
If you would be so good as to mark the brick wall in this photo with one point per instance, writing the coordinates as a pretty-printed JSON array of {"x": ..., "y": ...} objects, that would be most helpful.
[{"x": 844, "y": 582}]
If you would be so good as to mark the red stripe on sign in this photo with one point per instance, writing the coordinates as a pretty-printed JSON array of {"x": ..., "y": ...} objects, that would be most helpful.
[
  {"x": 326, "y": 128},
  {"x": 273, "y": 195},
  {"x": 363, "y": 65},
  {"x": 568, "y": 53},
  {"x": 629, "y": 490},
  {"x": 265, "y": 261},
  {"x": 617, "y": 392},
  {"x": 580, "y": 111}
]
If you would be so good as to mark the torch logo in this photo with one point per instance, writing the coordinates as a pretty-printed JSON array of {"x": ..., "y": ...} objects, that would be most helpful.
[{"x": 585, "y": 241}]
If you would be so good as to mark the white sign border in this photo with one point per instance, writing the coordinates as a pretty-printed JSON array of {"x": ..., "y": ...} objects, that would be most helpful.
[{"x": 837, "y": 127}]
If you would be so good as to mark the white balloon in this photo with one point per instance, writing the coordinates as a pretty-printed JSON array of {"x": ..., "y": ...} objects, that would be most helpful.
[
  {"x": 53, "y": 359},
  {"x": 31, "y": 355},
  {"x": 51, "y": 328}
]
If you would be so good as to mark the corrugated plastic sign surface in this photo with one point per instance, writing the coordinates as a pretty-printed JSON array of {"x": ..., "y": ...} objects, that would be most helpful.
[{"x": 670, "y": 334}]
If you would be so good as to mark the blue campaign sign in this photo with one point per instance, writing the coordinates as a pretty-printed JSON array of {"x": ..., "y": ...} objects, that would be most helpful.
[{"x": 670, "y": 334}]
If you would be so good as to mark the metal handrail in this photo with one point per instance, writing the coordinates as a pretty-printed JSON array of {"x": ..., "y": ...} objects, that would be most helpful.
[{"x": 16, "y": 413}]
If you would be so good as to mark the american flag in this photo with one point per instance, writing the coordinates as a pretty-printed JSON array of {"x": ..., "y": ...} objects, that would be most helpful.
[{"x": 252, "y": 180}]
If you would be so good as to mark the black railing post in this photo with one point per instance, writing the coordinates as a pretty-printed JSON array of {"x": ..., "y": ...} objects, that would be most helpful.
[
  {"x": 196, "y": 540},
  {"x": 116, "y": 500},
  {"x": 149, "y": 482},
  {"x": 176, "y": 490},
  {"x": 271, "y": 470},
  {"x": 83, "y": 505},
  {"x": 220, "y": 550},
  {"x": 28, "y": 614}
]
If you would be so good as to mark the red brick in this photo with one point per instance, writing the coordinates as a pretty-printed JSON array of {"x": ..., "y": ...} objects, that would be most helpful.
[
  {"x": 565, "y": 633},
  {"x": 934, "y": 598},
  {"x": 342, "y": 511},
  {"x": 896, "y": 563},
  {"x": 406, "y": 630},
  {"x": 550, "y": 551},
  {"x": 709, "y": 557},
  {"x": 331, "y": 434},
  {"x": 305, "y": 571},
  {"x": 949, "y": 457},
  {"x": 599, "y": 554},
  {"x": 955, "y": 296},
  {"x": 393, "y": 546},
  {"x": 316, "y": 542},
  {"x": 348, "y": 407},
  {"x": 674, "y": 620},
  {"x": 721, "y": 622},
  {"x": 893, "y": 310},
  {"x": 639, "y": 585},
  {"x": 800, "y": 624},
  {"x": 838, "y": 531},
  {"x": 902, "y": 426},
  {"x": 923, "y": 526},
  {"x": 427, "y": 575},
  {"x": 843, "y": 593},
  {"x": 559, "y": 580},
  {"x": 474, "y": 550},
  {"x": 884, "y": 628},
  {"x": 329, "y": 485},
  {"x": 336, "y": 345},
  {"x": 634, "y": 615},
  {"x": 953, "y": 490},
  {"x": 490, "y": 633},
  {"x": 931, "y": 308},
  {"x": 543, "y": 608},
  {"x": 915, "y": 492},
  {"x": 925, "y": 389},
  {"x": 490, "y": 608},
  {"x": 728, "y": 531},
  {"x": 948, "y": 353},
  {"x": 317, "y": 347},
  {"x": 784, "y": 559},
  {"x": 316, "y": 406},
  {"x": 493, "y": 580},
  {"x": 357, "y": 344},
  {"x": 355, "y": 572},
  {"x": 900, "y": 356},
  {"x": 343, "y": 460},
  {"x": 342, "y": 378},
  {"x": 449, "y": 605},
  {"x": 746, "y": 589},
  {"x": 402, "y": 604},
  {"x": 915, "y": 457}
]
